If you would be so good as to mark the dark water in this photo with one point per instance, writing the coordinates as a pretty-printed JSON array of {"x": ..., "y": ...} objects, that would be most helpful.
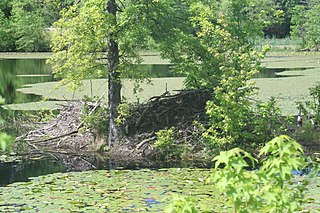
[
  {"x": 274, "y": 72},
  {"x": 25, "y": 167},
  {"x": 15, "y": 73},
  {"x": 11, "y": 172}
]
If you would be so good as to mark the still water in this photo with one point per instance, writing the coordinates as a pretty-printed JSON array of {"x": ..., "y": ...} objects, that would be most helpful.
[{"x": 17, "y": 73}]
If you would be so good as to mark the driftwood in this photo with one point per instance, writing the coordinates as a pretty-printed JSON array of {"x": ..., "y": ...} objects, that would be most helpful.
[
  {"x": 178, "y": 110},
  {"x": 67, "y": 124},
  {"x": 165, "y": 111}
]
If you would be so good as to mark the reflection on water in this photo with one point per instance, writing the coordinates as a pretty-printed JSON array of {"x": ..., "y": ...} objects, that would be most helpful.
[
  {"x": 14, "y": 73},
  {"x": 16, "y": 172},
  {"x": 274, "y": 72}
]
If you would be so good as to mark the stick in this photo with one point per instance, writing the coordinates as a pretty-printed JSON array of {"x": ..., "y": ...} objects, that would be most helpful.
[{"x": 146, "y": 141}]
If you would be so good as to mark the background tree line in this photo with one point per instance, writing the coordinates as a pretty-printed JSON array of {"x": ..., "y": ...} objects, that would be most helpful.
[{"x": 25, "y": 24}]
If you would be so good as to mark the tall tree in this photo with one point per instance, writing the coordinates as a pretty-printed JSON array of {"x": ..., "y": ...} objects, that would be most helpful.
[
  {"x": 192, "y": 54},
  {"x": 103, "y": 38}
]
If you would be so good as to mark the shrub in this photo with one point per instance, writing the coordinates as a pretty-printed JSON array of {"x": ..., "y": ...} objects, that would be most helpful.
[
  {"x": 165, "y": 144},
  {"x": 5, "y": 139},
  {"x": 267, "y": 189}
]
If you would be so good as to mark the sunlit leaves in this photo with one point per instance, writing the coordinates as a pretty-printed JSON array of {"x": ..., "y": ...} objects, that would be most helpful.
[
  {"x": 5, "y": 142},
  {"x": 266, "y": 189},
  {"x": 305, "y": 24}
]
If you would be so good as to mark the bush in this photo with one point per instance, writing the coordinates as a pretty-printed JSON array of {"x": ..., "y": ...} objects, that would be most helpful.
[
  {"x": 165, "y": 144},
  {"x": 5, "y": 139},
  {"x": 267, "y": 189}
]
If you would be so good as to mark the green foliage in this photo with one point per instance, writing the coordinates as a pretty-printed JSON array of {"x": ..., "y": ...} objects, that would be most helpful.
[
  {"x": 80, "y": 42},
  {"x": 29, "y": 26},
  {"x": 268, "y": 122},
  {"x": 233, "y": 118},
  {"x": 25, "y": 24},
  {"x": 6, "y": 37},
  {"x": 267, "y": 189},
  {"x": 308, "y": 133},
  {"x": 221, "y": 32},
  {"x": 5, "y": 140},
  {"x": 305, "y": 25},
  {"x": 96, "y": 120},
  {"x": 312, "y": 108},
  {"x": 166, "y": 145},
  {"x": 123, "y": 112},
  {"x": 181, "y": 204}
]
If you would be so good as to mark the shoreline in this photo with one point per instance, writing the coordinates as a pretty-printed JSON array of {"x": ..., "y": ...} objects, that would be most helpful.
[{"x": 25, "y": 55}]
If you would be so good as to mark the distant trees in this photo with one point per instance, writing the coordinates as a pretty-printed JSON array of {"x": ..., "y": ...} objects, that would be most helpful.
[
  {"x": 306, "y": 24},
  {"x": 28, "y": 26},
  {"x": 281, "y": 29},
  {"x": 24, "y": 23}
]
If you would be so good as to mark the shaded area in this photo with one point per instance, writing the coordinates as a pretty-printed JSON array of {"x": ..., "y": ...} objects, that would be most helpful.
[
  {"x": 276, "y": 72},
  {"x": 14, "y": 74},
  {"x": 20, "y": 171}
]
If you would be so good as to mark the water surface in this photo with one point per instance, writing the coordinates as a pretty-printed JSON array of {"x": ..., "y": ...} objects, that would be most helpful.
[{"x": 18, "y": 73}]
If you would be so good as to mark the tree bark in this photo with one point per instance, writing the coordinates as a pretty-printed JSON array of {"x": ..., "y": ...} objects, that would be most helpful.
[{"x": 114, "y": 93}]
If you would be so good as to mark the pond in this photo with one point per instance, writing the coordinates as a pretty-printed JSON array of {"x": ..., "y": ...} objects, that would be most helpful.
[{"x": 18, "y": 73}]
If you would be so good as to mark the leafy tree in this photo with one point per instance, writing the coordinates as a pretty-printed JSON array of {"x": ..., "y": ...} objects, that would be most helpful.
[
  {"x": 219, "y": 55},
  {"x": 298, "y": 29},
  {"x": 305, "y": 24},
  {"x": 218, "y": 28},
  {"x": 267, "y": 189},
  {"x": 29, "y": 25},
  {"x": 6, "y": 37},
  {"x": 52, "y": 9},
  {"x": 103, "y": 38}
]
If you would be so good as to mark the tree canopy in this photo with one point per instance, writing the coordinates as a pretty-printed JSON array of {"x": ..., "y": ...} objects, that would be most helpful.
[{"x": 211, "y": 42}]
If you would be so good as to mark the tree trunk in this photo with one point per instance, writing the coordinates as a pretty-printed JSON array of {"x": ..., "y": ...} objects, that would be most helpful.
[{"x": 114, "y": 94}]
